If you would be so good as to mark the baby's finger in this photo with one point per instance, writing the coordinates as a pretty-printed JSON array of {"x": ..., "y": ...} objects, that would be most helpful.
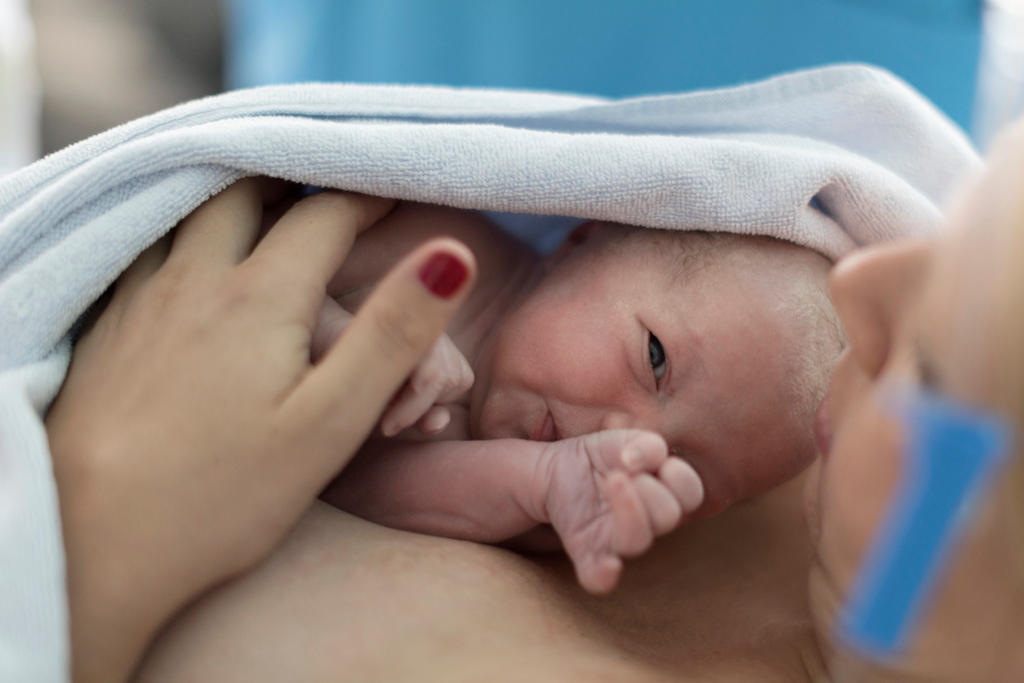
[
  {"x": 441, "y": 377},
  {"x": 445, "y": 373},
  {"x": 408, "y": 407},
  {"x": 645, "y": 453},
  {"x": 632, "y": 534},
  {"x": 343, "y": 397},
  {"x": 435, "y": 420},
  {"x": 684, "y": 483},
  {"x": 634, "y": 450},
  {"x": 598, "y": 575},
  {"x": 663, "y": 510}
]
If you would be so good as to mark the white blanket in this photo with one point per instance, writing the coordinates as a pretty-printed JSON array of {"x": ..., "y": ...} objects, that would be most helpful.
[{"x": 829, "y": 158}]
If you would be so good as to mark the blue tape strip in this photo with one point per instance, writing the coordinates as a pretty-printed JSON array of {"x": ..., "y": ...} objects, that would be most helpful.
[{"x": 951, "y": 452}]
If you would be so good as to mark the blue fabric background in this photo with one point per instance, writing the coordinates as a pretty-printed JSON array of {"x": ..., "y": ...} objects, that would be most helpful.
[{"x": 605, "y": 48}]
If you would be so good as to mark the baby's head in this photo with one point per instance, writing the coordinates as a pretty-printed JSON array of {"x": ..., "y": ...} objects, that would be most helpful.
[{"x": 721, "y": 343}]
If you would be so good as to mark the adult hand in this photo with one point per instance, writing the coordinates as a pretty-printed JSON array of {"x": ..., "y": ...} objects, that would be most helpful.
[{"x": 192, "y": 430}]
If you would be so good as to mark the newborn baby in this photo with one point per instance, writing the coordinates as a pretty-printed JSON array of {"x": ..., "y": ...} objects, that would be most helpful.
[{"x": 632, "y": 378}]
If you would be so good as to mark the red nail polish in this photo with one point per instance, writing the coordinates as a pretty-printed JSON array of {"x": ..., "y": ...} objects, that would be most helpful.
[{"x": 443, "y": 274}]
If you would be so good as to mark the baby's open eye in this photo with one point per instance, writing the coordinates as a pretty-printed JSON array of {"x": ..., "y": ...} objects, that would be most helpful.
[{"x": 658, "y": 361}]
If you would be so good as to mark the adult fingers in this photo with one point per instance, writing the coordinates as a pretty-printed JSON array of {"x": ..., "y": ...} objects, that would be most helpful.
[
  {"x": 273, "y": 190},
  {"x": 141, "y": 269},
  {"x": 222, "y": 230},
  {"x": 309, "y": 242},
  {"x": 341, "y": 398}
]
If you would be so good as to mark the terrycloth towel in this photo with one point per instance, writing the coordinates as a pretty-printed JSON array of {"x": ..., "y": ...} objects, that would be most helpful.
[{"x": 828, "y": 158}]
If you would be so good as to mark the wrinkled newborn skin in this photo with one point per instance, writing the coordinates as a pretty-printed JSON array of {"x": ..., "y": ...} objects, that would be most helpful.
[{"x": 720, "y": 344}]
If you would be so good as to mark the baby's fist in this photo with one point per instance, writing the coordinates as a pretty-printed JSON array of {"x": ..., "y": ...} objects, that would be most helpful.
[{"x": 441, "y": 377}]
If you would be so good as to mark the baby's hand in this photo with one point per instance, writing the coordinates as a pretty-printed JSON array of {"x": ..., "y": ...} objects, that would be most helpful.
[
  {"x": 609, "y": 494},
  {"x": 442, "y": 376}
]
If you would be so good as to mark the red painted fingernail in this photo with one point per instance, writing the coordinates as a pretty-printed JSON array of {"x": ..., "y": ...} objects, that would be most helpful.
[{"x": 443, "y": 274}]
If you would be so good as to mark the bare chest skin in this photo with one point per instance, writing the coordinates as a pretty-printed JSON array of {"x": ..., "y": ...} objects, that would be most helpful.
[
  {"x": 734, "y": 584},
  {"x": 720, "y": 600},
  {"x": 506, "y": 267}
]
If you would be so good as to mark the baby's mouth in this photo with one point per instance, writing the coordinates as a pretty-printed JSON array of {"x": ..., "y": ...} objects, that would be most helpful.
[{"x": 545, "y": 429}]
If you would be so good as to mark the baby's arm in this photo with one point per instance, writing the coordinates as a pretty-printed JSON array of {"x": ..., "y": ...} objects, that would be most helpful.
[{"x": 607, "y": 494}]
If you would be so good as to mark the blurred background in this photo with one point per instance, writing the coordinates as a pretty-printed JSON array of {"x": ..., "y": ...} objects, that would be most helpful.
[{"x": 72, "y": 68}]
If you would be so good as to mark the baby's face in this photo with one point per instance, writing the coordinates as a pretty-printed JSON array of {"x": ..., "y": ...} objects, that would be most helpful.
[{"x": 620, "y": 333}]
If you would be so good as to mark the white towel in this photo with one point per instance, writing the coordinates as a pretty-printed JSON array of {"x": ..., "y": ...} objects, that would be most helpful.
[{"x": 829, "y": 158}]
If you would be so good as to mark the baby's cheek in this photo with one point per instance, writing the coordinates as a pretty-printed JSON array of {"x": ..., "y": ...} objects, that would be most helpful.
[
  {"x": 782, "y": 446},
  {"x": 752, "y": 465},
  {"x": 719, "y": 486}
]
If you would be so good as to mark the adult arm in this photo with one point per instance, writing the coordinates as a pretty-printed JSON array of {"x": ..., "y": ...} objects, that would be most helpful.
[{"x": 195, "y": 386}]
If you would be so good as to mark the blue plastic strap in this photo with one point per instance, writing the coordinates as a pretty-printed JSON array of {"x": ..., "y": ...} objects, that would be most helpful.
[{"x": 951, "y": 452}]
